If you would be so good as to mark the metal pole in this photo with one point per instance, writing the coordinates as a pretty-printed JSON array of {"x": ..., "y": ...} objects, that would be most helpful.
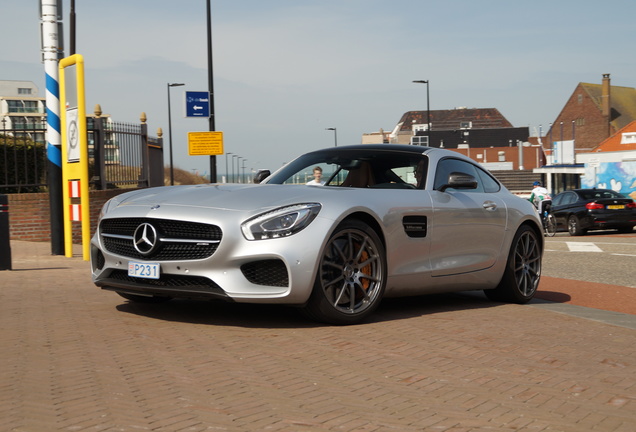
[
  {"x": 170, "y": 131},
  {"x": 211, "y": 89},
  {"x": 335, "y": 135},
  {"x": 227, "y": 174},
  {"x": 51, "y": 42},
  {"x": 428, "y": 115},
  {"x": 72, "y": 29},
  {"x": 428, "y": 110},
  {"x": 170, "y": 137}
]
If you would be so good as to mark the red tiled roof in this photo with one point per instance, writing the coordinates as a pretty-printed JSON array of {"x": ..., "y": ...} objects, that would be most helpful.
[{"x": 613, "y": 143}]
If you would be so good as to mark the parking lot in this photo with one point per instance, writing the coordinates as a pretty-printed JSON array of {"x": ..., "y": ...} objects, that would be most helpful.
[{"x": 76, "y": 358}]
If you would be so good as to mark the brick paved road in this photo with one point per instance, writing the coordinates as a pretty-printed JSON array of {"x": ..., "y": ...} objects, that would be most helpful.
[{"x": 75, "y": 358}]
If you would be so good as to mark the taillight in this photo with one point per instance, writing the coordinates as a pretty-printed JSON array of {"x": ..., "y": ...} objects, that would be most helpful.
[
  {"x": 631, "y": 205},
  {"x": 594, "y": 206}
]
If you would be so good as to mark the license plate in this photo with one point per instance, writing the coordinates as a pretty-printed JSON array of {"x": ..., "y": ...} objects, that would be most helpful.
[
  {"x": 144, "y": 270},
  {"x": 615, "y": 207}
]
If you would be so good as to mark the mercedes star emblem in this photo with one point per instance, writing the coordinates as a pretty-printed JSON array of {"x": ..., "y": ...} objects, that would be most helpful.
[{"x": 145, "y": 238}]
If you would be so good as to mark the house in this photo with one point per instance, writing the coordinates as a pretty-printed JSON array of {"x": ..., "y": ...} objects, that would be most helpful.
[
  {"x": 612, "y": 164},
  {"x": 593, "y": 113},
  {"x": 588, "y": 131}
]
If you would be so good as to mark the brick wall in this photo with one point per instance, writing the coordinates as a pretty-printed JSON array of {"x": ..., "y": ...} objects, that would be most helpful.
[
  {"x": 29, "y": 215},
  {"x": 590, "y": 127}
]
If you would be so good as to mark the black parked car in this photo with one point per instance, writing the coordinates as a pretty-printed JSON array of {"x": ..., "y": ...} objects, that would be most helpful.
[{"x": 580, "y": 210}]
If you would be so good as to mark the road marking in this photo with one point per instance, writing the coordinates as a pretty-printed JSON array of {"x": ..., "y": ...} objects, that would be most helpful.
[
  {"x": 619, "y": 254},
  {"x": 583, "y": 247}
]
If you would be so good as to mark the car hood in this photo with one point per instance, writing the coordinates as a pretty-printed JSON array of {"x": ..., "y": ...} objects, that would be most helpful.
[{"x": 220, "y": 196}]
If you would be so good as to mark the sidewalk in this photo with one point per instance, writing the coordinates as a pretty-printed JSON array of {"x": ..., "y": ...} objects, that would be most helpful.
[{"x": 78, "y": 358}]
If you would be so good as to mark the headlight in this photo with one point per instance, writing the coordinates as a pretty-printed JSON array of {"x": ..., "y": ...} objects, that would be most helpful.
[
  {"x": 104, "y": 210},
  {"x": 281, "y": 222}
]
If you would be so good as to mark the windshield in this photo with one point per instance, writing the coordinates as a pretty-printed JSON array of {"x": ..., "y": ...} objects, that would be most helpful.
[{"x": 355, "y": 168}]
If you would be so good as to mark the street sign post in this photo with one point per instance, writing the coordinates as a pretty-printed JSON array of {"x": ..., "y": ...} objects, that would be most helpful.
[{"x": 197, "y": 104}]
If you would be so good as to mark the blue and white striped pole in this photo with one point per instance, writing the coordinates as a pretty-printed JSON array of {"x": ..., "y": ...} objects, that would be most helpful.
[{"x": 50, "y": 48}]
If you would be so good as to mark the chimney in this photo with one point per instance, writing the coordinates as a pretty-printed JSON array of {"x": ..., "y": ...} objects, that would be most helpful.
[{"x": 605, "y": 97}]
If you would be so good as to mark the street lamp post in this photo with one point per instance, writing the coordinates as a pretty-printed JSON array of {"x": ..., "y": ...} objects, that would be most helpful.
[
  {"x": 243, "y": 170},
  {"x": 428, "y": 110},
  {"x": 238, "y": 168},
  {"x": 335, "y": 135},
  {"x": 233, "y": 156},
  {"x": 227, "y": 174},
  {"x": 170, "y": 131}
]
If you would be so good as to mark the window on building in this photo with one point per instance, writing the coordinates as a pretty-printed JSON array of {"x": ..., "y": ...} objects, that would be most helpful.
[
  {"x": 420, "y": 140},
  {"x": 31, "y": 106},
  {"x": 24, "y": 91},
  {"x": 420, "y": 127},
  {"x": 465, "y": 125},
  {"x": 15, "y": 106},
  {"x": 628, "y": 138}
]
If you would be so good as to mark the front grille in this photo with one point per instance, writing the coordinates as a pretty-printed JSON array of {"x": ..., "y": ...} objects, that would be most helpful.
[
  {"x": 168, "y": 281},
  {"x": 266, "y": 272},
  {"x": 181, "y": 240}
]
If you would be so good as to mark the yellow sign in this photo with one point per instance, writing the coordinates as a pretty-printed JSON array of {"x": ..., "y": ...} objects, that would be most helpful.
[
  {"x": 74, "y": 153},
  {"x": 205, "y": 143}
]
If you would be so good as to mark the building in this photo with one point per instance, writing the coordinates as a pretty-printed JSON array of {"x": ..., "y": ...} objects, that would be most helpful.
[
  {"x": 22, "y": 109},
  {"x": 447, "y": 128},
  {"x": 588, "y": 131},
  {"x": 482, "y": 134},
  {"x": 593, "y": 113}
]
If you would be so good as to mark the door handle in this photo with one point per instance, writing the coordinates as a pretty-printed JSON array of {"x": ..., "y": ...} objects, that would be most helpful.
[{"x": 489, "y": 205}]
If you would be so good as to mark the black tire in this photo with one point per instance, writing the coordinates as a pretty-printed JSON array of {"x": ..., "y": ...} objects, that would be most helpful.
[
  {"x": 351, "y": 276},
  {"x": 626, "y": 230},
  {"x": 551, "y": 225},
  {"x": 144, "y": 299},
  {"x": 574, "y": 226},
  {"x": 523, "y": 269}
]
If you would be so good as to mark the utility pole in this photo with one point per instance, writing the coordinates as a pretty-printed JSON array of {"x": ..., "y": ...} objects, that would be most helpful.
[{"x": 51, "y": 51}]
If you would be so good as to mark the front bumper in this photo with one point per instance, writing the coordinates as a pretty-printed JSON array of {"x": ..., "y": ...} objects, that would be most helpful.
[{"x": 278, "y": 270}]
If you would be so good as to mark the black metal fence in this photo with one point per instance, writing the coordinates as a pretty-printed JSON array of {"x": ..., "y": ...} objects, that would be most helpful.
[
  {"x": 120, "y": 155},
  {"x": 23, "y": 160}
]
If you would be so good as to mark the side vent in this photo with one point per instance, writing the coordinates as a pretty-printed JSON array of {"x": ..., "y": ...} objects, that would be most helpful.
[{"x": 414, "y": 226}]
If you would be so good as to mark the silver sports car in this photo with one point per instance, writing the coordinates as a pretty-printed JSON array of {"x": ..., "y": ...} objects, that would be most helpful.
[{"x": 333, "y": 231}]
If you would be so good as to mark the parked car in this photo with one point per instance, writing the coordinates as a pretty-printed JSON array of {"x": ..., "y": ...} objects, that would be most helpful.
[
  {"x": 581, "y": 210},
  {"x": 389, "y": 221}
]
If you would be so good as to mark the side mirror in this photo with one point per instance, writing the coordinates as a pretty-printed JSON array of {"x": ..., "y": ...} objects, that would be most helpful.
[
  {"x": 459, "y": 180},
  {"x": 261, "y": 175}
]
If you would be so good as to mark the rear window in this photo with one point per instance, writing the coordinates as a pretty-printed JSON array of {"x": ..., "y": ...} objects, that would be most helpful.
[{"x": 599, "y": 194}]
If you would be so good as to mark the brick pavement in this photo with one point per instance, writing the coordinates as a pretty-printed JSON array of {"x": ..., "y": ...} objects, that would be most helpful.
[{"x": 75, "y": 358}]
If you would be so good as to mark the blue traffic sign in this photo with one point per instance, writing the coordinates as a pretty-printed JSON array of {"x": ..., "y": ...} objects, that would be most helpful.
[{"x": 197, "y": 104}]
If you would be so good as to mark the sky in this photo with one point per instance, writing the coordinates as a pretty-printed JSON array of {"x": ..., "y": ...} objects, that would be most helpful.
[{"x": 285, "y": 70}]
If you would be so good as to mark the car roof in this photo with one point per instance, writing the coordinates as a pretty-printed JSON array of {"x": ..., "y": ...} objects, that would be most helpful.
[
  {"x": 398, "y": 148},
  {"x": 415, "y": 149}
]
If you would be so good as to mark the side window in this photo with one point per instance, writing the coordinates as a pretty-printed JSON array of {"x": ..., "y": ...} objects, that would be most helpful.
[
  {"x": 569, "y": 198},
  {"x": 489, "y": 183},
  {"x": 447, "y": 166}
]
